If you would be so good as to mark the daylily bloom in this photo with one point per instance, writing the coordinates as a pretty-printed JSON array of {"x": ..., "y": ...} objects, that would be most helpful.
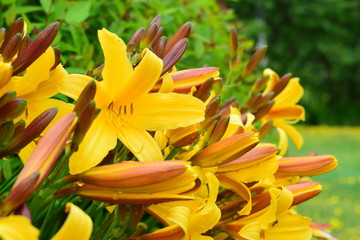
[
  {"x": 78, "y": 225},
  {"x": 128, "y": 110},
  {"x": 285, "y": 111}
]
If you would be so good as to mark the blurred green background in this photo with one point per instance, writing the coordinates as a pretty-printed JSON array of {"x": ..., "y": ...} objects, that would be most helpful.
[{"x": 316, "y": 40}]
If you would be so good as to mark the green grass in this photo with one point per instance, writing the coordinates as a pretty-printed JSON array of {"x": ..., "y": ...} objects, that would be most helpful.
[{"x": 339, "y": 203}]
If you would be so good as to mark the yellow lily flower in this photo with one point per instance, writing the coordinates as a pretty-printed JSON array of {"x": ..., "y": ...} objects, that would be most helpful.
[
  {"x": 10, "y": 230},
  {"x": 38, "y": 84},
  {"x": 285, "y": 111},
  {"x": 78, "y": 225},
  {"x": 128, "y": 109}
]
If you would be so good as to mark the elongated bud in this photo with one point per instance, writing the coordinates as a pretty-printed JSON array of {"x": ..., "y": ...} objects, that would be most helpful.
[
  {"x": 86, "y": 118},
  {"x": 233, "y": 43},
  {"x": 226, "y": 150},
  {"x": 87, "y": 94},
  {"x": 12, "y": 47},
  {"x": 123, "y": 175},
  {"x": 281, "y": 84},
  {"x": 149, "y": 36},
  {"x": 254, "y": 61},
  {"x": 174, "y": 55},
  {"x": 7, "y": 97},
  {"x": 208, "y": 122},
  {"x": 24, "y": 43},
  {"x": 260, "y": 102},
  {"x": 307, "y": 166},
  {"x": 16, "y": 27},
  {"x": 35, "y": 128},
  {"x": 48, "y": 149},
  {"x": 259, "y": 84},
  {"x": 36, "y": 48},
  {"x": 212, "y": 107},
  {"x": 19, "y": 194},
  {"x": 183, "y": 32},
  {"x": 12, "y": 109},
  {"x": 159, "y": 48},
  {"x": 203, "y": 92},
  {"x": 265, "y": 129},
  {"x": 118, "y": 197},
  {"x": 157, "y": 37},
  {"x": 6, "y": 132},
  {"x": 5, "y": 73},
  {"x": 186, "y": 140},
  {"x": 260, "y": 153},
  {"x": 219, "y": 130},
  {"x": 225, "y": 108},
  {"x": 303, "y": 191},
  {"x": 264, "y": 110},
  {"x": 135, "y": 40}
]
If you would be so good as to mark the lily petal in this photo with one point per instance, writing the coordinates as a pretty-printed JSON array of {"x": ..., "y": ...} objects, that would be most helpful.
[
  {"x": 73, "y": 85},
  {"x": 78, "y": 225},
  {"x": 141, "y": 81},
  {"x": 161, "y": 111},
  {"x": 98, "y": 141},
  {"x": 140, "y": 143},
  {"x": 117, "y": 67},
  {"x": 16, "y": 227}
]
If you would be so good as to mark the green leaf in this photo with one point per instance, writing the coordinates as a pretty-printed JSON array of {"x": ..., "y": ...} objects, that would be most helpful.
[
  {"x": 27, "y": 9},
  {"x": 46, "y": 5},
  {"x": 10, "y": 15},
  {"x": 78, "y": 12}
]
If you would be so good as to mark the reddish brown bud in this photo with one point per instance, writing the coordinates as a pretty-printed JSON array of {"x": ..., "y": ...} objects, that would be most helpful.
[
  {"x": 16, "y": 27},
  {"x": 233, "y": 43},
  {"x": 2, "y": 35},
  {"x": 7, "y": 97},
  {"x": 6, "y": 132},
  {"x": 12, "y": 47},
  {"x": 212, "y": 107},
  {"x": 264, "y": 110},
  {"x": 35, "y": 128},
  {"x": 303, "y": 191},
  {"x": 157, "y": 37},
  {"x": 265, "y": 129},
  {"x": 284, "y": 80},
  {"x": 259, "y": 84},
  {"x": 149, "y": 36},
  {"x": 182, "y": 33},
  {"x": 36, "y": 48},
  {"x": 24, "y": 44},
  {"x": 174, "y": 55},
  {"x": 203, "y": 92},
  {"x": 19, "y": 194},
  {"x": 87, "y": 94},
  {"x": 254, "y": 61},
  {"x": 207, "y": 122},
  {"x": 135, "y": 40},
  {"x": 219, "y": 130},
  {"x": 187, "y": 140},
  {"x": 12, "y": 109},
  {"x": 159, "y": 48},
  {"x": 156, "y": 20}
]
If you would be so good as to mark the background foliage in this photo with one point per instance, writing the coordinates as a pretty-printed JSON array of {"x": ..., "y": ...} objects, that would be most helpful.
[
  {"x": 315, "y": 40},
  {"x": 319, "y": 42}
]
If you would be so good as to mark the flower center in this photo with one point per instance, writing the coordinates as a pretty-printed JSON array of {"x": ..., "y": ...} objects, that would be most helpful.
[{"x": 120, "y": 114}]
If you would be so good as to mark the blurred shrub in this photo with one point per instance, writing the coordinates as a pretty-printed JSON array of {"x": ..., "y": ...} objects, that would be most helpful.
[
  {"x": 317, "y": 41},
  {"x": 80, "y": 20}
]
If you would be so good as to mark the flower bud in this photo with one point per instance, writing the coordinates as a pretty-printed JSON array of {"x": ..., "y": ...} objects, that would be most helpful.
[
  {"x": 135, "y": 40},
  {"x": 264, "y": 110},
  {"x": 6, "y": 132},
  {"x": 303, "y": 191},
  {"x": 181, "y": 34},
  {"x": 36, "y": 48},
  {"x": 254, "y": 61},
  {"x": 174, "y": 55},
  {"x": 203, "y": 92},
  {"x": 219, "y": 130},
  {"x": 226, "y": 150},
  {"x": 233, "y": 43},
  {"x": 12, "y": 47},
  {"x": 259, "y": 84},
  {"x": 159, "y": 48},
  {"x": 12, "y": 109},
  {"x": 16, "y": 27},
  {"x": 281, "y": 84},
  {"x": 307, "y": 166},
  {"x": 265, "y": 129}
]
